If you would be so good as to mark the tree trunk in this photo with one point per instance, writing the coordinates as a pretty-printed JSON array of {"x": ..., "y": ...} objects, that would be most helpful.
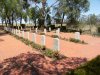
[
  {"x": 12, "y": 20},
  {"x": 9, "y": 21},
  {"x": 2, "y": 22},
  {"x": 6, "y": 22},
  {"x": 35, "y": 22},
  {"x": 62, "y": 19},
  {"x": 21, "y": 20},
  {"x": 16, "y": 22}
]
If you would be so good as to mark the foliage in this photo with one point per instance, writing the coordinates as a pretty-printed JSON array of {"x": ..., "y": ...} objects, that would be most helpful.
[
  {"x": 77, "y": 41},
  {"x": 90, "y": 68},
  {"x": 55, "y": 36},
  {"x": 42, "y": 33},
  {"x": 72, "y": 9}
]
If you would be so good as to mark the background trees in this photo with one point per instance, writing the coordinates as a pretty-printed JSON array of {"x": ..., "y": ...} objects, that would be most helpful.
[
  {"x": 14, "y": 11},
  {"x": 72, "y": 9}
]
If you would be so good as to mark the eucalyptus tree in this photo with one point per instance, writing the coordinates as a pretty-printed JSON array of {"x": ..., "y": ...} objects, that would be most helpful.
[
  {"x": 34, "y": 14},
  {"x": 92, "y": 19},
  {"x": 9, "y": 9},
  {"x": 72, "y": 9},
  {"x": 43, "y": 11}
]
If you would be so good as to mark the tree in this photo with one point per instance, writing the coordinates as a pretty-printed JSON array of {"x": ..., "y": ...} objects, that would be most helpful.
[
  {"x": 92, "y": 20},
  {"x": 72, "y": 9},
  {"x": 34, "y": 14}
]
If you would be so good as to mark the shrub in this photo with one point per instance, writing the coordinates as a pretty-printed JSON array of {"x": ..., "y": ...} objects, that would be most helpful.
[
  {"x": 77, "y": 41},
  {"x": 42, "y": 33},
  {"x": 74, "y": 40},
  {"x": 90, "y": 68},
  {"x": 55, "y": 36},
  {"x": 48, "y": 53}
]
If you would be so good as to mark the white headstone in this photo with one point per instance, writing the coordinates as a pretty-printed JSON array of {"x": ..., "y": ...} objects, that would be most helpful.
[
  {"x": 4, "y": 28},
  {"x": 23, "y": 34},
  {"x": 43, "y": 40},
  {"x": 36, "y": 30},
  {"x": 49, "y": 28},
  {"x": 77, "y": 35},
  {"x": 14, "y": 31},
  {"x": 11, "y": 30},
  {"x": 45, "y": 31},
  {"x": 21, "y": 28},
  {"x": 58, "y": 31},
  {"x": 56, "y": 44},
  {"x": 7, "y": 29},
  {"x": 19, "y": 33},
  {"x": 28, "y": 35},
  {"x": 30, "y": 29},
  {"x": 34, "y": 37},
  {"x": 18, "y": 27}
]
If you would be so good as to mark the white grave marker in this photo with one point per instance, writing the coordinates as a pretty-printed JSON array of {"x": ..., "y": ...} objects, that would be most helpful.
[
  {"x": 45, "y": 31},
  {"x": 19, "y": 33},
  {"x": 49, "y": 29},
  {"x": 30, "y": 30},
  {"x": 43, "y": 40},
  {"x": 58, "y": 31},
  {"x": 77, "y": 35},
  {"x": 21, "y": 28},
  {"x": 28, "y": 35},
  {"x": 23, "y": 34},
  {"x": 56, "y": 44},
  {"x": 16, "y": 31},
  {"x": 34, "y": 37},
  {"x": 36, "y": 30}
]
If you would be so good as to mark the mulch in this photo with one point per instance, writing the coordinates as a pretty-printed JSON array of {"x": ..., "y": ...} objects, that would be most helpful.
[{"x": 37, "y": 64}]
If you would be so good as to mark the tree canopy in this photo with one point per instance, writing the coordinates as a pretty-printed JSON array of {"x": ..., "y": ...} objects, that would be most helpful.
[{"x": 17, "y": 10}]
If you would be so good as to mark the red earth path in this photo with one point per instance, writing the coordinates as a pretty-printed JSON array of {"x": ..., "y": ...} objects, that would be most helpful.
[{"x": 10, "y": 46}]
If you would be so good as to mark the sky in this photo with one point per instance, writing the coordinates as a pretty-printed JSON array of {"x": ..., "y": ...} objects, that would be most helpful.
[{"x": 94, "y": 6}]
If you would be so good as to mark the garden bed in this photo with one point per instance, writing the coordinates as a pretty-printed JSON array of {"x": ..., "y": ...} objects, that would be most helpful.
[{"x": 37, "y": 64}]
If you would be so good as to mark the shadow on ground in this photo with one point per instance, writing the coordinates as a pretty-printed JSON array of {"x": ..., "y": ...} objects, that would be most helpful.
[{"x": 37, "y": 64}]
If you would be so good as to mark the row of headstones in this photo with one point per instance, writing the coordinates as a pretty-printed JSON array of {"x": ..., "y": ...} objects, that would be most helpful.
[
  {"x": 56, "y": 44},
  {"x": 77, "y": 34}
]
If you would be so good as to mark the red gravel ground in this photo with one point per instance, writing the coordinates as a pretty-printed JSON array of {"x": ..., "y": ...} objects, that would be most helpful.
[
  {"x": 90, "y": 50},
  {"x": 71, "y": 49},
  {"x": 10, "y": 47},
  {"x": 18, "y": 59}
]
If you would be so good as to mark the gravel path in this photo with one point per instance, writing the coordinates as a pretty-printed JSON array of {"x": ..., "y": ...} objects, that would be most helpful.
[{"x": 10, "y": 47}]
